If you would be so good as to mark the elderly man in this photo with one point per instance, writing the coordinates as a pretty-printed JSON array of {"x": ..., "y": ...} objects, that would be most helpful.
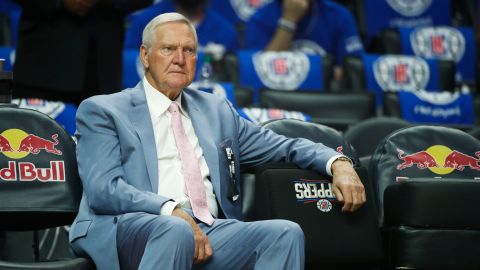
[{"x": 158, "y": 167}]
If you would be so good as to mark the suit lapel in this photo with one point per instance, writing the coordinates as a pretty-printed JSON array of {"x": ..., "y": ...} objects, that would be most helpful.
[
  {"x": 206, "y": 137},
  {"x": 140, "y": 117}
]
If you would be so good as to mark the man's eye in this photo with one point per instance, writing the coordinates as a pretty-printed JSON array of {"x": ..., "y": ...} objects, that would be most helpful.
[
  {"x": 189, "y": 51},
  {"x": 166, "y": 50}
]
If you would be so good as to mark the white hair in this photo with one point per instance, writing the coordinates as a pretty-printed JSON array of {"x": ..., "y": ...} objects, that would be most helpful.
[{"x": 148, "y": 32}]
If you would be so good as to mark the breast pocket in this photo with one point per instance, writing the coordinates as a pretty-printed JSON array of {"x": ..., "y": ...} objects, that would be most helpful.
[{"x": 229, "y": 156}]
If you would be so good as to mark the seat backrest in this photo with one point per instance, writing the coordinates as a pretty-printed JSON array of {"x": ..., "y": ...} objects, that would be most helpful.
[
  {"x": 337, "y": 110},
  {"x": 367, "y": 134},
  {"x": 314, "y": 132},
  {"x": 475, "y": 132},
  {"x": 39, "y": 182},
  {"x": 423, "y": 152},
  {"x": 285, "y": 70}
]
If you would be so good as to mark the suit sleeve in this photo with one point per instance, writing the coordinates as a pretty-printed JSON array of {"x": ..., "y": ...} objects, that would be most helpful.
[
  {"x": 259, "y": 145},
  {"x": 100, "y": 166}
]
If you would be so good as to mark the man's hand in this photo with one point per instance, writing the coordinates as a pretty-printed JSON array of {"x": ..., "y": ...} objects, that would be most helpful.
[
  {"x": 347, "y": 186},
  {"x": 293, "y": 10},
  {"x": 78, "y": 7},
  {"x": 203, "y": 250}
]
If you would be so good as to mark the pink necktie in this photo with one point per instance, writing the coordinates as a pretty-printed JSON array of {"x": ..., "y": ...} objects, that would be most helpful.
[{"x": 190, "y": 168}]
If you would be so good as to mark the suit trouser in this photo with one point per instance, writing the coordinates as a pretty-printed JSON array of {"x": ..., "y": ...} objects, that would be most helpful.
[{"x": 146, "y": 241}]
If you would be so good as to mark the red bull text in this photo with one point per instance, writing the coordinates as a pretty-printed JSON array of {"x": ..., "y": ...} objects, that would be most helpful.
[{"x": 27, "y": 171}]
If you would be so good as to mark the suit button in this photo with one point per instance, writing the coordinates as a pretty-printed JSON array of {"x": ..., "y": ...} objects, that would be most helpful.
[{"x": 115, "y": 220}]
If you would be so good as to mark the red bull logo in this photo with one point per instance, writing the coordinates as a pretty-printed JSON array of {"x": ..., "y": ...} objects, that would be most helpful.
[
  {"x": 16, "y": 144},
  {"x": 439, "y": 159}
]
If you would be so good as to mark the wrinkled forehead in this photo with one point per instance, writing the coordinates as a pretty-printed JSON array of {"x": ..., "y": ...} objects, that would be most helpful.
[{"x": 178, "y": 31}]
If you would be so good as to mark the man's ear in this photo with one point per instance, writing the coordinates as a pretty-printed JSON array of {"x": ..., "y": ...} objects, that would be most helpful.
[{"x": 144, "y": 56}]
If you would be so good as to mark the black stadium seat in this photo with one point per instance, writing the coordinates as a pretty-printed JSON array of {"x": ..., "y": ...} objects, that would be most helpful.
[
  {"x": 367, "y": 134},
  {"x": 39, "y": 183},
  {"x": 334, "y": 240},
  {"x": 337, "y": 110},
  {"x": 426, "y": 181}
]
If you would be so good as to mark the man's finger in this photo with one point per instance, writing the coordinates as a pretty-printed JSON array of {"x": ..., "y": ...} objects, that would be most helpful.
[
  {"x": 338, "y": 193},
  {"x": 199, "y": 254}
]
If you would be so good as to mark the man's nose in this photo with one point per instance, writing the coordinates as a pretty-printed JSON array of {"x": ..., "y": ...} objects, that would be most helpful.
[{"x": 179, "y": 57}]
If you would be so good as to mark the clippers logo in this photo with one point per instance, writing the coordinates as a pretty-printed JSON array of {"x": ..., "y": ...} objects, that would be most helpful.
[
  {"x": 409, "y": 7},
  {"x": 446, "y": 43},
  {"x": 281, "y": 70},
  {"x": 17, "y": 144},
  {"x": 439, "y": 159},
  {"x": 280, "y": 66},
  {"x": 315, "y": 191},
  {"x": 396, "y": 72},
  {"x": 245, "y": 8}
]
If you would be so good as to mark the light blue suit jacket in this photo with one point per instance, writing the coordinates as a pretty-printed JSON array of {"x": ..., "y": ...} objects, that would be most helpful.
[{"x": 117, "y": 161}]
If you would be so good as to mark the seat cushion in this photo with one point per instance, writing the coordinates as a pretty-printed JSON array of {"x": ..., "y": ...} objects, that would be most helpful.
[{"x": 432, "y": 202}]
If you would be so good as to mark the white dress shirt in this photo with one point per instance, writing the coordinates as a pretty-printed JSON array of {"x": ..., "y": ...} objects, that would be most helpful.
[{"x": 171, "y": 183}]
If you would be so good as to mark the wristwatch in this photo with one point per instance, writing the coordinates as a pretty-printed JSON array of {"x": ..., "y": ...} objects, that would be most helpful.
[{"x": 344, "y": 158}]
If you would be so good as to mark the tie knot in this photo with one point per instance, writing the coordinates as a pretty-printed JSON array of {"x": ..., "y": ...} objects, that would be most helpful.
[{"x": 173, "y": 107}]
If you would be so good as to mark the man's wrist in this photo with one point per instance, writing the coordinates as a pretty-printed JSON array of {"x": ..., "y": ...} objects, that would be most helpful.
[
  {"x": 344, "y": 158},
  {"x": 339, "y": 162},
  {"x": 287, "y": 25}
]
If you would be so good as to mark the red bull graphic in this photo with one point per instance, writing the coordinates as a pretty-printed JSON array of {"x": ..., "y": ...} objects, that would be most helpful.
[
  {"x": 439, "y": 159},
  {"x": 5, "y": 145},
  {"x": 16, "y": 144},
  {"x": 422, "y": 159},
  {"x": 459, "y": 161},
  {"x": 33, "y": 144}
]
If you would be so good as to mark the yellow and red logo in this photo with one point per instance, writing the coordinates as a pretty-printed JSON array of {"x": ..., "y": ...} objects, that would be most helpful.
[
  {"x": 17, "y": 144},
  {"x": 439, "y": 159}
]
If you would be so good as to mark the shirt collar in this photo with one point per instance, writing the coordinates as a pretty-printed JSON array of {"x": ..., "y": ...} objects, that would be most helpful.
[{"x": 157, "y": 102}]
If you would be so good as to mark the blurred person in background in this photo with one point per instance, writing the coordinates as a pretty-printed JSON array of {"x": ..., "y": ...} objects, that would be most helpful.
[
  {"x": 312, "y": 26},
  {"x": 68, "y": 50},
  {"x": 216, "y": 34}
]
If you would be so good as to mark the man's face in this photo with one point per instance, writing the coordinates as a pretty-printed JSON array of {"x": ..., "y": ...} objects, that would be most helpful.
[{"x": 170, "y": 64}]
